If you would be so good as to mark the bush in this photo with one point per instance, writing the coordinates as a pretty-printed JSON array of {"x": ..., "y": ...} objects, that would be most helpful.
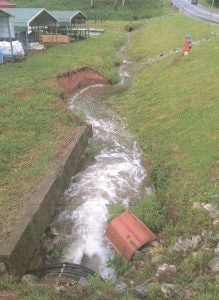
[
  {"x": 119, "y": 264},
  {"x": 151, "y": 212},
  {"x": 116, "y": 209}
]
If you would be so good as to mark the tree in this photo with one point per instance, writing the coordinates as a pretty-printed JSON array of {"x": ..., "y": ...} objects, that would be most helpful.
[
  {"x": 123, "y": 3},
  {"x": 216, "y": 2}
]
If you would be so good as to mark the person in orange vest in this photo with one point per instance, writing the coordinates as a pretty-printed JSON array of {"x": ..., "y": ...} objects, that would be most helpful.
[
  {"x": 188, "y": 44},
  {"x": 189, "y": 39}
]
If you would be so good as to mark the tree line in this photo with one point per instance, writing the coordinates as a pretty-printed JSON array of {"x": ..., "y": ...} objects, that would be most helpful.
[
  {"x": 115, "y": 3},
  {"x": 216, "y": 2}
]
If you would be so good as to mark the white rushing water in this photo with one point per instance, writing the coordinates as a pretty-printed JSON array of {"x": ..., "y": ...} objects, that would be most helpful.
[{"x": 115, "y": 175}]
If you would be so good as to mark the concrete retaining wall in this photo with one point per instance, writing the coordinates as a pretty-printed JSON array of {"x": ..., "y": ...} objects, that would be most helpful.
[{"x": 18, "y": 250}]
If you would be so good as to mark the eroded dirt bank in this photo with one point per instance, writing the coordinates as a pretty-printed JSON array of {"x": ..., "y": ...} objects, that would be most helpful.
[{"x": 71, "y": 81}]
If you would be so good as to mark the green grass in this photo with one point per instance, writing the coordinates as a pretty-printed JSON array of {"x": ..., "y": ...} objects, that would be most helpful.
[
  {"x": 172, "y": 109},
  {"x": 35, "y": 124},
  {"x": 161, "y": 35},
  {"x": 103, "y": 9}
]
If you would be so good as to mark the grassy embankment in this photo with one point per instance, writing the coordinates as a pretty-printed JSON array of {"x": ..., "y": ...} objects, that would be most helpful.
[
  {"x": 172, "y": 109},
  {"x": 104, "y": 9},
  {"x": 34, "y": 123}
]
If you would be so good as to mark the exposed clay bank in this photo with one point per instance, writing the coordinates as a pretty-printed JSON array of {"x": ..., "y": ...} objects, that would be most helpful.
[{"x": 83, "y": 77}]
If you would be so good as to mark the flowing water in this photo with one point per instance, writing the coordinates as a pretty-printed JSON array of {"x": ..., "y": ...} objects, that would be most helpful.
[{"x": 115, "y": 175}]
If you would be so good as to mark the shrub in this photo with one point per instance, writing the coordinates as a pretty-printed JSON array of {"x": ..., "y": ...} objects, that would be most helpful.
[
  {"x": 119, "y": 264},
  {"x": 151, "y": 212}
]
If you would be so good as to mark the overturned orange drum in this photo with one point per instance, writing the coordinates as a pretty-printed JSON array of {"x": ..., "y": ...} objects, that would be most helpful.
[{"x": 127, "y": 234}]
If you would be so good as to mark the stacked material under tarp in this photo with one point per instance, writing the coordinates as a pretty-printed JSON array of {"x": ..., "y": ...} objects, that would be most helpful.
[{"x": 18, "y": 50}]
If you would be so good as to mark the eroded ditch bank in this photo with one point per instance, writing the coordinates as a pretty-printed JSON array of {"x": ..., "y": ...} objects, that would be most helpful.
[
  {"x": 17, "y": 251},
  {"x": 86, "y": 76},
  {"x": 38, "y": 212},
  {"x": 36, "y": 216},
  {"x": 115, "y": 174}
]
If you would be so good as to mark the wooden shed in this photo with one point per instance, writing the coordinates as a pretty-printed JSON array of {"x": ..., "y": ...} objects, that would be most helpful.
[{"x": 6, "y": 25}]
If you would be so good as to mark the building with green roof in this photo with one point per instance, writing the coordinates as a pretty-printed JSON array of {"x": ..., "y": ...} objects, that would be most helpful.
[
  {"x": 71, "y": 23},
  {"x": 69, "y": 18},
  {"x": 31, "y": 17},
  {"x": 6, "y": 25}
]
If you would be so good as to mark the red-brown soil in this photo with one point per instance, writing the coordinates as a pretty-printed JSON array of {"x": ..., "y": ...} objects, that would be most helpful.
[{"x": 72, "y": 81}]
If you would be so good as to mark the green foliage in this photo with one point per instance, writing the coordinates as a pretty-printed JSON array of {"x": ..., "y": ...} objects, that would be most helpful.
[
  {"x": 119, "y": 264},
  {"x": 206, "y": 288},
  {"x": 97, "y": 283},
  {"x": 154, "y": 291},
  {"x": 116, "y": 209},
  {"x": 151, "y": 212},
  {"x": 105, "y": 10},
  {"x": 27, "y": 291},
  {"x": 193, "y": 265},
  {"x": 216, "y": 2}
]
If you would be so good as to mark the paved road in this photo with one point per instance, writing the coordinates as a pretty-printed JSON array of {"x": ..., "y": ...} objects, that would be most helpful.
[{"x": 196, "y": 11}]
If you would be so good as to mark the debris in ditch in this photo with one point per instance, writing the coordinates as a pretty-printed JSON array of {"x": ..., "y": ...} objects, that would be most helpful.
[
  {"x": 128, "y": 234},
  {"x": 63, "y": 270}
]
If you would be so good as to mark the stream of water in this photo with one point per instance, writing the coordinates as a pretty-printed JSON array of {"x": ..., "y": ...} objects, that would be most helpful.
[{"x": 116, "y": 174}]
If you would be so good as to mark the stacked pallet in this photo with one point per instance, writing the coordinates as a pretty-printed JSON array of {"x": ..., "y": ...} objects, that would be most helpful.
[{"x": 55, "y": 39}]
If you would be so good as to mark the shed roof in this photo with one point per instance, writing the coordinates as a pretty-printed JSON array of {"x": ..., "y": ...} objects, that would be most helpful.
[
  {"x": 4, "y": 13},
  {"x": 25, "y": 17},
  {"x": 67, "y": 16},
  {"x": 4, "y": 3}
]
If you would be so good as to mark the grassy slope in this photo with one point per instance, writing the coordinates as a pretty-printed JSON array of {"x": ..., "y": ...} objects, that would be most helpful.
[
  {"x": 34, "y": 124},
  {"x": 172, "y": 109},
  {"x": 174, "y": 116},
  {"x": 104, "y": 8}
]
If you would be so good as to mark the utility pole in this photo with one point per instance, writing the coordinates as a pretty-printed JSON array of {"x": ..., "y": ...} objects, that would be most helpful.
[{"x": 10, "y": 38}]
